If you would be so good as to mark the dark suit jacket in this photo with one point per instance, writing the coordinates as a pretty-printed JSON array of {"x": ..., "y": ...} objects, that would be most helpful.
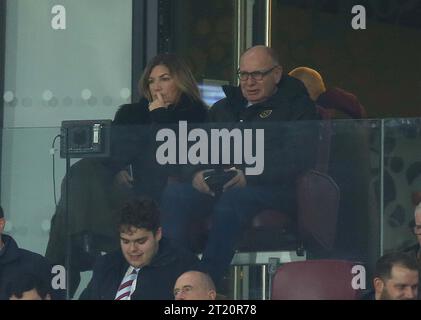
[{"x": 154, "y": 282}]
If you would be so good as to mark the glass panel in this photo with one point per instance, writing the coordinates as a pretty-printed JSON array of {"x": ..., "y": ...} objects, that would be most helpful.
[
  {"x": 356, "y": 167},
  {"x": 379, "y": 64},
  {"x": 28, "y": 188},
  {"x": 401, "y": 181},
  {"x": 353, "y": 230},
  {"x": 58, "y": 65},
  {"x": 27, "y": 183},
  {"x": 94, "y": 198},
  {"x": 73, "y": 73}
]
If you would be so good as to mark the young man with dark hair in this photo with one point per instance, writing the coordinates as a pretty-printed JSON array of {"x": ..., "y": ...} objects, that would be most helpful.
[
  {"x": 15, "y": 262},
  {"x": 146, "y": 266}
]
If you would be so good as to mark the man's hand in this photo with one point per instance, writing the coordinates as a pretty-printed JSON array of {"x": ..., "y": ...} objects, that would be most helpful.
[
  {"x": 158, "y": 102},
  {"x": 124, "y": 179},
  {"x": 200, "y": 184},
  {"x": 239, "y": 181}
]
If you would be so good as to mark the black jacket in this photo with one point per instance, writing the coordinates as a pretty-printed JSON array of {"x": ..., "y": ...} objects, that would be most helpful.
[
  {"x": 290, "y": 103},
  {"x": 15, "y": 261},
  {"x": 289, "y": 146},
  {"x": 154, "y": 282},
  {"x": 133, "y": 140},
  {"x": 139, "y": 114}
]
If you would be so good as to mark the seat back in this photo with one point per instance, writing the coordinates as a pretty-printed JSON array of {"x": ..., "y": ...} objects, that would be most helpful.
[
  {"x": 317, "y": 197},
  {"x": 317, "y": 209},
  {"x": 315, "y": 280}
]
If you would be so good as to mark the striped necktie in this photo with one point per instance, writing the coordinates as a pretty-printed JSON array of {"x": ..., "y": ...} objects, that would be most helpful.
[{"x": 125, "y": 288}]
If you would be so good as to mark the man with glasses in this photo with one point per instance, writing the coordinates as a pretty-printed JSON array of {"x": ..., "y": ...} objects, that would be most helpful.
[{"x": 264, "y": 96}]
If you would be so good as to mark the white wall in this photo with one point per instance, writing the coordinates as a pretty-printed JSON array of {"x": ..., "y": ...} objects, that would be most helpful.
[{"x": 82, "y": 72}]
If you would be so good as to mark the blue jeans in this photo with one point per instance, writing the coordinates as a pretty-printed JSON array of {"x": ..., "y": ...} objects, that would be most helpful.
[{"x": 230, "y": 212}]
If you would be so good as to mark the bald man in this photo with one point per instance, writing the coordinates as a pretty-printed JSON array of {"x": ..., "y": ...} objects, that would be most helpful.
[
  {"x": 311, "y": 79},
  {"x": 337, "y": 102},
  {"x": 265, "y": 96},
  {"x": 194, "y": 285}
]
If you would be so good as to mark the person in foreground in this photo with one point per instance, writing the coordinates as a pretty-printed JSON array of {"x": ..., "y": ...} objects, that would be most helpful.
[
  {"x": 396, "y": 278},
  {"x": 194, "y": 285},
  {"x": 146, "y": 266},
  {"x": 28, "y": 287}
]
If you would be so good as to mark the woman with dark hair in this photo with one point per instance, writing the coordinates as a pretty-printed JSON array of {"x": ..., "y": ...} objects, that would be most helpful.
[{"x": 98, "y": 188}]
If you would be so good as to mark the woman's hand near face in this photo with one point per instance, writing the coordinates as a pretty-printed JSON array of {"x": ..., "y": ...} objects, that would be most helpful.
[
  {"x": 158, "y": 102},
  {"x": 124, "y": 179}
]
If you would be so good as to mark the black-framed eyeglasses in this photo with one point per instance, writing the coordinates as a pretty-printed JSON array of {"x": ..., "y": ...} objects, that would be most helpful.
[{"x": 255, "y": 75}]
